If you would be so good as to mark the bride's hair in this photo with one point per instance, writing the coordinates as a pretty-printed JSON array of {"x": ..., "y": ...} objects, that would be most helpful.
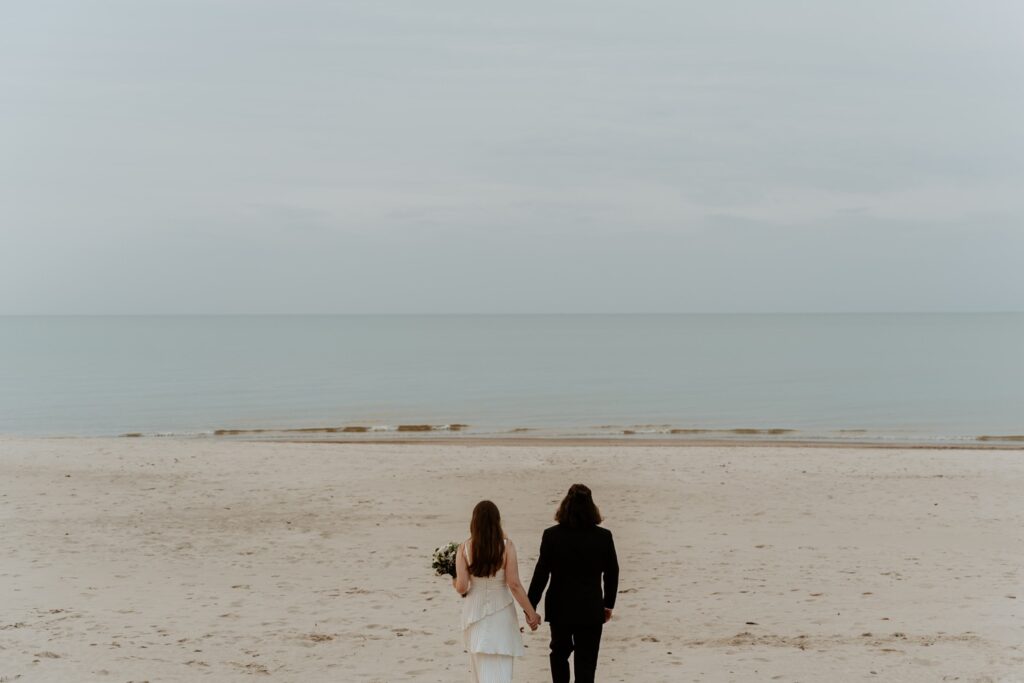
[
  {"x": 488, "y": 549},
  {"x": 578, "y": 508}
]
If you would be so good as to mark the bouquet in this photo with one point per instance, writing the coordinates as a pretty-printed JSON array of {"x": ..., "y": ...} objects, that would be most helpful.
[{"x": 444, "y": 559}]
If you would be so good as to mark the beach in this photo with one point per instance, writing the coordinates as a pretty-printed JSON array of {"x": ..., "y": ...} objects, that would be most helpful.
[{"x": 174, "y": 559}]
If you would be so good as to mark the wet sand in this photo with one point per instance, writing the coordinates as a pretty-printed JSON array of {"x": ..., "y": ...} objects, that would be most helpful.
[{"x": 177, "y": 560}]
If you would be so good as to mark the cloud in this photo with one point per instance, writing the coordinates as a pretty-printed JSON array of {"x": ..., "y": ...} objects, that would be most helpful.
[{"x": 358, "y": 156}]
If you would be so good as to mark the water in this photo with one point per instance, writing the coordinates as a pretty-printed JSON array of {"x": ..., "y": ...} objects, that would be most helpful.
[{"x": 896, "y": 377}]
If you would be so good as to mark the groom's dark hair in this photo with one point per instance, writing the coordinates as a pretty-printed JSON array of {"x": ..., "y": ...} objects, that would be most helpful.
[{"x": 578, "y": 508}]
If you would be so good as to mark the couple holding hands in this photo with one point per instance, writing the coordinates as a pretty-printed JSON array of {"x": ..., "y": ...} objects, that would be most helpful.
[{"x": 576, "y": 556}]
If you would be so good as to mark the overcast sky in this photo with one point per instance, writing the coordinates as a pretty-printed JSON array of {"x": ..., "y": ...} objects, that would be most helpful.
[{"x": 169, "y": 156}]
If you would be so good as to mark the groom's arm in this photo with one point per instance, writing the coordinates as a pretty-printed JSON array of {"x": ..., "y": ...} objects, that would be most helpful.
[
  {"x": 611, "y": 575},
  {"x": 540, "y": 573}
]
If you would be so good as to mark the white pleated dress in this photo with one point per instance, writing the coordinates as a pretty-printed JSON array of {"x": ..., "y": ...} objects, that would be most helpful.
[{"x": 490, "y": 626}]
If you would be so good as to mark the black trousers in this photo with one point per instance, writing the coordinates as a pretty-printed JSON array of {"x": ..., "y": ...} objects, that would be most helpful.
[{"x": 585, "y": 641}]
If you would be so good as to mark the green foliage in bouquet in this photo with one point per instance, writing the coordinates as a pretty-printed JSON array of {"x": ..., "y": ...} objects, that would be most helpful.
[{"x": 444, "y": 559}]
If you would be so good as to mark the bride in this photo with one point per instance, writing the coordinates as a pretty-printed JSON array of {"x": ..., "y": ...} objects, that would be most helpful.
[{"x": 487, "y": 575}]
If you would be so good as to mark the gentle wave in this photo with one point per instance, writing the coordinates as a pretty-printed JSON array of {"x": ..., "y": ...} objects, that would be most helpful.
[
  {"x": 347, "y": 429},
  {"x": 168, "y": 435},
  {"x": 641, "y": 432},
  {"x": 746, "y": 431}
]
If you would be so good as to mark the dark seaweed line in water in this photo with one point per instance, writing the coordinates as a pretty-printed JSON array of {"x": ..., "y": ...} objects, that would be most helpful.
[
  {"x": 740, "y": 430},
  {"x": 351, "y": 429},
  {"x": 647, "y": 433}
]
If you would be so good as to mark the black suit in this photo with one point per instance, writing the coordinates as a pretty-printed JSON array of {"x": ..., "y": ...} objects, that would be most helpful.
[{"x": 578, "y": 561}]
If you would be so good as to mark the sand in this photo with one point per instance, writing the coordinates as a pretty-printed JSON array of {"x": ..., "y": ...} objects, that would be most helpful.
[{"x": 177, "y": 560}]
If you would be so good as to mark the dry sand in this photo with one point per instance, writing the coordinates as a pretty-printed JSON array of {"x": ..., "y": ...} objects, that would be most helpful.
[{"x": 177, "y": 560}]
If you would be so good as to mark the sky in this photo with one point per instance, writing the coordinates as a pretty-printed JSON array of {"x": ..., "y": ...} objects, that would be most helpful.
[{"x": 245, "y": 156}]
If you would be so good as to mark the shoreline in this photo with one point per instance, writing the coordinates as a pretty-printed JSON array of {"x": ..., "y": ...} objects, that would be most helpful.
[
  {"x": 470, "y": 440},
  {"x": 598, "y": 441}
]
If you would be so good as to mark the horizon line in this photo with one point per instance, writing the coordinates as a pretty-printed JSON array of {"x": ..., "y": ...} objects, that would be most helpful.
[{"x": 501, "y": 314}]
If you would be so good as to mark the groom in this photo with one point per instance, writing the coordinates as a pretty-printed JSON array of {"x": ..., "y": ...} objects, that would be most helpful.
[{"x": 576, "y": 554}]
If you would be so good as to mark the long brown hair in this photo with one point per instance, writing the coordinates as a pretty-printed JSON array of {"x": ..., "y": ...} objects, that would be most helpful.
[
  {"x": 578, "y": 509},
  {"x": 488, "y": 540}
]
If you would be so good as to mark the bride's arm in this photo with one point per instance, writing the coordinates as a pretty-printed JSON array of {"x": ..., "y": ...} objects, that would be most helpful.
[
  {"x": 515, "y": 585},
  {"x": 461, "y": 580}
]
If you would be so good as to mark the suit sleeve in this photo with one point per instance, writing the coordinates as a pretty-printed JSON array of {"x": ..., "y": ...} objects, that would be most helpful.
[
  {"x": 611, "y": 575},
  {"x": 540, "y": 573}
]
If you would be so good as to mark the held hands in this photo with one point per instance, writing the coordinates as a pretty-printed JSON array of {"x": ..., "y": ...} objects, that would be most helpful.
[
  {"x": 533, "y": 620},
  {"x": 607, "y": 615}
]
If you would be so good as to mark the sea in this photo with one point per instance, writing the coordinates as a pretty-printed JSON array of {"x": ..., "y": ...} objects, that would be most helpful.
[{"x": 913, "y": 378}]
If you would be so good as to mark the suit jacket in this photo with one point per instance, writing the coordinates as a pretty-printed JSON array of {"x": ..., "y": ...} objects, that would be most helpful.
[{"x": 577, "y": 561}]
